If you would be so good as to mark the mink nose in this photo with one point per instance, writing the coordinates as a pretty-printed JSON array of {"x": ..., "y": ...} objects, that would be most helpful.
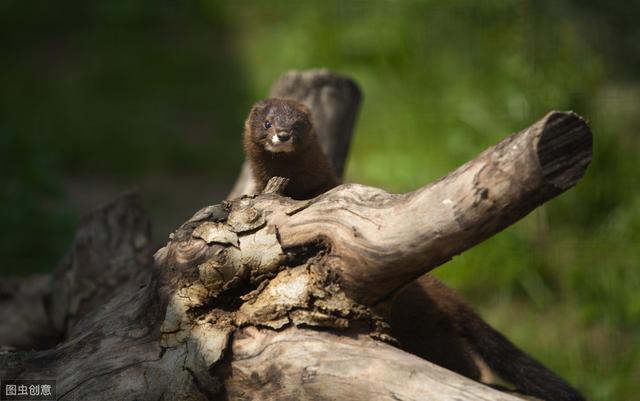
[{"x": 284, "y": 136}]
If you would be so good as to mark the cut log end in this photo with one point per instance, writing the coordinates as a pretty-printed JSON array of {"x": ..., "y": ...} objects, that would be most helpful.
[{"x": 564, "y": 148}]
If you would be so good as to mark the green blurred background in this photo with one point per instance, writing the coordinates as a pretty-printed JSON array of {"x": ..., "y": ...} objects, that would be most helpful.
[{"x": 97, "y": 97}]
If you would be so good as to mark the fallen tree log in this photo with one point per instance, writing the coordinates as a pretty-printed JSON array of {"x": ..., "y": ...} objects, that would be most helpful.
[{"x": 263, "y": 297}]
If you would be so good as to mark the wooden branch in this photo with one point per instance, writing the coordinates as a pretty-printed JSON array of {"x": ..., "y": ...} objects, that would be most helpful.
[
  {"x": 298, "y": 364},
  {"x": 381, "y": 241},
  {"x": 334, "y": 101},
  {"x": 110, "y": 257}
]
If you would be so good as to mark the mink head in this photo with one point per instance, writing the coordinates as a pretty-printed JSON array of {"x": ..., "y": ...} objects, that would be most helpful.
[{"x": 279, "y": 125}]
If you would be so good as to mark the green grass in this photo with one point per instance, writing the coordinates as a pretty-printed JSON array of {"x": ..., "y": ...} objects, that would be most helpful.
[{"x": 130, "y": 89}]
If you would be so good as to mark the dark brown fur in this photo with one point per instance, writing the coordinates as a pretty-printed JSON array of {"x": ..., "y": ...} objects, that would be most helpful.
[
  {"x": 428, "y": 318},
  {"x": 306, "y": 166}
]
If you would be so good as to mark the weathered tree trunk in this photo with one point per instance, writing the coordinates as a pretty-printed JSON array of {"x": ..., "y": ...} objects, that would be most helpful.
[{"x": 266, "y": 298}]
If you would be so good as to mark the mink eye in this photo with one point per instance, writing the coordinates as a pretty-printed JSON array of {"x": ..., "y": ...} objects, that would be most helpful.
[{"x": 267, "y": 124}]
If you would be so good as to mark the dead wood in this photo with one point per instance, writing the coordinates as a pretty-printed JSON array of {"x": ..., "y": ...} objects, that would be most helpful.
[
  {"x": 379, "y": 241},
  {"x": 264, "y": 297},
  {"x": 303, "y": 364}
]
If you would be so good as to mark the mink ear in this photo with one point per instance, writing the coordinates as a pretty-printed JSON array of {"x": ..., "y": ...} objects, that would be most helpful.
[
  {"x": 256, "y": 109},
  {"x": 259, "y": 106}
]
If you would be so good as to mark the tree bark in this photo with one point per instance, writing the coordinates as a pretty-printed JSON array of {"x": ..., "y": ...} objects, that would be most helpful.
[{"x": 264, "y": 297}]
